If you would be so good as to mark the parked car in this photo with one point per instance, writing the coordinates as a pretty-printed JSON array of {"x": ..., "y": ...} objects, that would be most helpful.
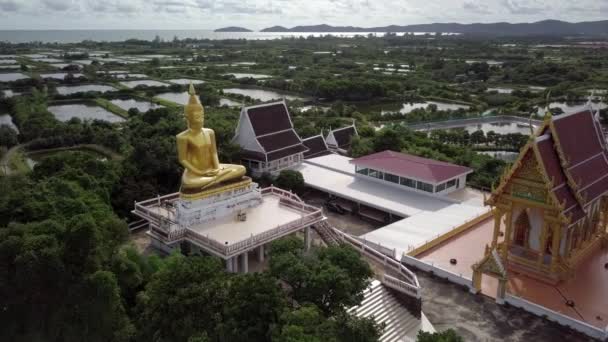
[{"x": 335, "y": 208}]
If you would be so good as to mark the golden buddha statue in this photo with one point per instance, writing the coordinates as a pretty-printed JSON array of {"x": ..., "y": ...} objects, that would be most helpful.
[{"x": 197, "y": 153}]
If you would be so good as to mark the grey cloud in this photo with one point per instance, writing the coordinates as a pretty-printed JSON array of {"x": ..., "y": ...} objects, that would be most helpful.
[
  {"x": 9, "y": 6},
  {"x": 57, "y": 5},
  {"x": 114, "y": 6},
  {"x": 476, "y": 8},
  {"x": 525, "y": 7}
]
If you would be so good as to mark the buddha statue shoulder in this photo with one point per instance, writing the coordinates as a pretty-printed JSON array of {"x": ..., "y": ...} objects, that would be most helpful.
[{"x": 197, "y": 152}]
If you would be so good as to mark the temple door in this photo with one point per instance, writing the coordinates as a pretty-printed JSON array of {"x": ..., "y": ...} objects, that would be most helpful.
[{"x": 522, "y": 229}]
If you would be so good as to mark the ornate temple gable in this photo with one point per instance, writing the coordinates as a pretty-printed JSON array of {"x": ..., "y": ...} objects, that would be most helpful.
[
  {"x": 492, "y": 265},
  {"x": 505, "y": 180},
  {"x": 526, "y": 181}
]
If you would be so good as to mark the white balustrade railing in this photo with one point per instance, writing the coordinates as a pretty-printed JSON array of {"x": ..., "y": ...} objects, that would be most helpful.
[
  {"x": 400, "y": 285},
  {"x": 411, "y": 286}
]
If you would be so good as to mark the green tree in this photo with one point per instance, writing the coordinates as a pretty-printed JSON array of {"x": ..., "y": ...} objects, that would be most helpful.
[
  {"x": 332, "y": 278},
  {"x": 8, "y": 136},
  {"x": 290, "y": 180}
]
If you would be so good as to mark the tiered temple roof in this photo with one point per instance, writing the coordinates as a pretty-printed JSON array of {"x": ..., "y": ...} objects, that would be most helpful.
[
  {"x": 267, "y": 133},
  {"x": 341, "y": 138},
  {"x": 316, "y": 147},
  {"x": 571, "y": 151}
]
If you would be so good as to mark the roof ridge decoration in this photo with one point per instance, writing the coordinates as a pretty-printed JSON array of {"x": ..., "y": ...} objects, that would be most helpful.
[
  {"x": 550, "y": 184},
  {"x": 565, "y": 163}
]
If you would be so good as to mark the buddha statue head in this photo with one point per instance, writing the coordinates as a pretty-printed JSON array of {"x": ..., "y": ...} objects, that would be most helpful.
[{"x": 194, "y": 111}]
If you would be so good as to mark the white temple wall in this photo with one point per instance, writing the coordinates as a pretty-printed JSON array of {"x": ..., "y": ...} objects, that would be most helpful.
[{"x": 245, "y": 136}]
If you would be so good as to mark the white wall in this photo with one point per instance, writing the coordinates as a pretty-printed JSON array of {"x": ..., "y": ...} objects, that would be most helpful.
[{"x": 245, "y": 136}]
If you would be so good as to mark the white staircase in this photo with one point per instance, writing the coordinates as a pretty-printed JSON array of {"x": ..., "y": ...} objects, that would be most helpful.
[{"x": 380, "y": 303}]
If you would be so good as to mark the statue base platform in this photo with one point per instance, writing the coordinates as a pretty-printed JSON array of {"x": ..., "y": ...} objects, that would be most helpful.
[{"x": 219, "y": 201}]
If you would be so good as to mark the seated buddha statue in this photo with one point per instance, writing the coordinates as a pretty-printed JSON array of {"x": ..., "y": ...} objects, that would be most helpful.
[{"x": 197, "y": 152}]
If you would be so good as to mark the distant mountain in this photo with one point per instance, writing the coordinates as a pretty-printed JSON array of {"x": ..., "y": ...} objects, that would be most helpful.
[
  {"x": 279, "y": 29},
  {"x": 233, "y": 29},
  {"x": 540, "y": 28}
]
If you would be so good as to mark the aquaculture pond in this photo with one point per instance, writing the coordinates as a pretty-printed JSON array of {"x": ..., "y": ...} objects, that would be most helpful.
[
  {"x": 59, "y": 75},
  {"x": 229, "y": 103},
  {"x": 67, "y": 90},
  {"x": 261, "y": 94},
  {"x": 406, "y": 108},
  {"x": 9, "y": 93},
  {"x": 246, "y": 75},
  {"x": 185, "y": 81},
  {"x": 179, "y": 98},
  {"x": 147, "y": 83},
  {"x": 6, "y": 119},
  {"x": 500, "y": 90},
  {"x": 507, "y": 156},
  {"x": 572, "y": 107},
  {"x": 83, "y": 111},
  {"x": 500, "y": 127},
  {"x": 12, "y": 76},
  {"x": 142, "y": 106}
]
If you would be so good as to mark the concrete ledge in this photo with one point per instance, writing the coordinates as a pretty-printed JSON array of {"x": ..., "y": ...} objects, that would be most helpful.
[{"x": 464, "y": 227}]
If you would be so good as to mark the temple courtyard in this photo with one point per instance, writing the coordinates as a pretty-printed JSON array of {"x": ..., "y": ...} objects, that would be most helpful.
[{"x": 586, "y": 289}]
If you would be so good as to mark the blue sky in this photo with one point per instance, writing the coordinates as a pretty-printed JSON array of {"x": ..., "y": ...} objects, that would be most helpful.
[{"x": 257, "y": 14}]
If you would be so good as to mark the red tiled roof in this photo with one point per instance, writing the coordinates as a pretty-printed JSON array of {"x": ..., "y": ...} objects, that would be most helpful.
[
  {"x": 585, "y": 155},
  {"x": 269, "y": 119},
  {"x": 407, "y": 165},
  {"x": 584, "y": 161},
  {"x": 562, "y": 191},
  {"x": 577, "y": 136}
]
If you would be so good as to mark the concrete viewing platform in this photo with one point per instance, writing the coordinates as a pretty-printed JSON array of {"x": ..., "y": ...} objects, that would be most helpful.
[{"x": 280, "y": 213}]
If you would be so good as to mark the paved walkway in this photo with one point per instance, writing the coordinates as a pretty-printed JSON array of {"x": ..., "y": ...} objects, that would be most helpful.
[{"x": 479, "y": 318}]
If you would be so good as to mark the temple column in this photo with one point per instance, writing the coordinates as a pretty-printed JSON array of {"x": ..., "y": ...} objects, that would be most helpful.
[
  {"x": 229, "y": 263},
  {"x": 500, "y": 291},
  {"x": 307, "y": 238},
  {"x": 235, "y": 264},
  {"x": 557, "y": 238},
  {"x": 497, "y": 217},
  {"x": 507, "y": 242},
  {"x": 476, "y": 281},
  {"x": 245, "y": 262},
  {"x": 261, "y": 253},
  {"x": 542, "y": 242}
]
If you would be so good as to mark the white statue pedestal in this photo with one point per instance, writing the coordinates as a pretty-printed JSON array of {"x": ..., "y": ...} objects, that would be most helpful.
[{"x": 226, "y": 203}]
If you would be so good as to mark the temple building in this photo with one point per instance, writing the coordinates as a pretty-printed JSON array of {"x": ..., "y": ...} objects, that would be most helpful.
[
  {"x": 316, "y": 146},
  {"x": 339, "y": 140},
  {"x": 221, "y": 212},
  {"x": 268, "y": 141},
  {"x": 550, "y": 209},
  {"x": 412, "y": 173}
]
